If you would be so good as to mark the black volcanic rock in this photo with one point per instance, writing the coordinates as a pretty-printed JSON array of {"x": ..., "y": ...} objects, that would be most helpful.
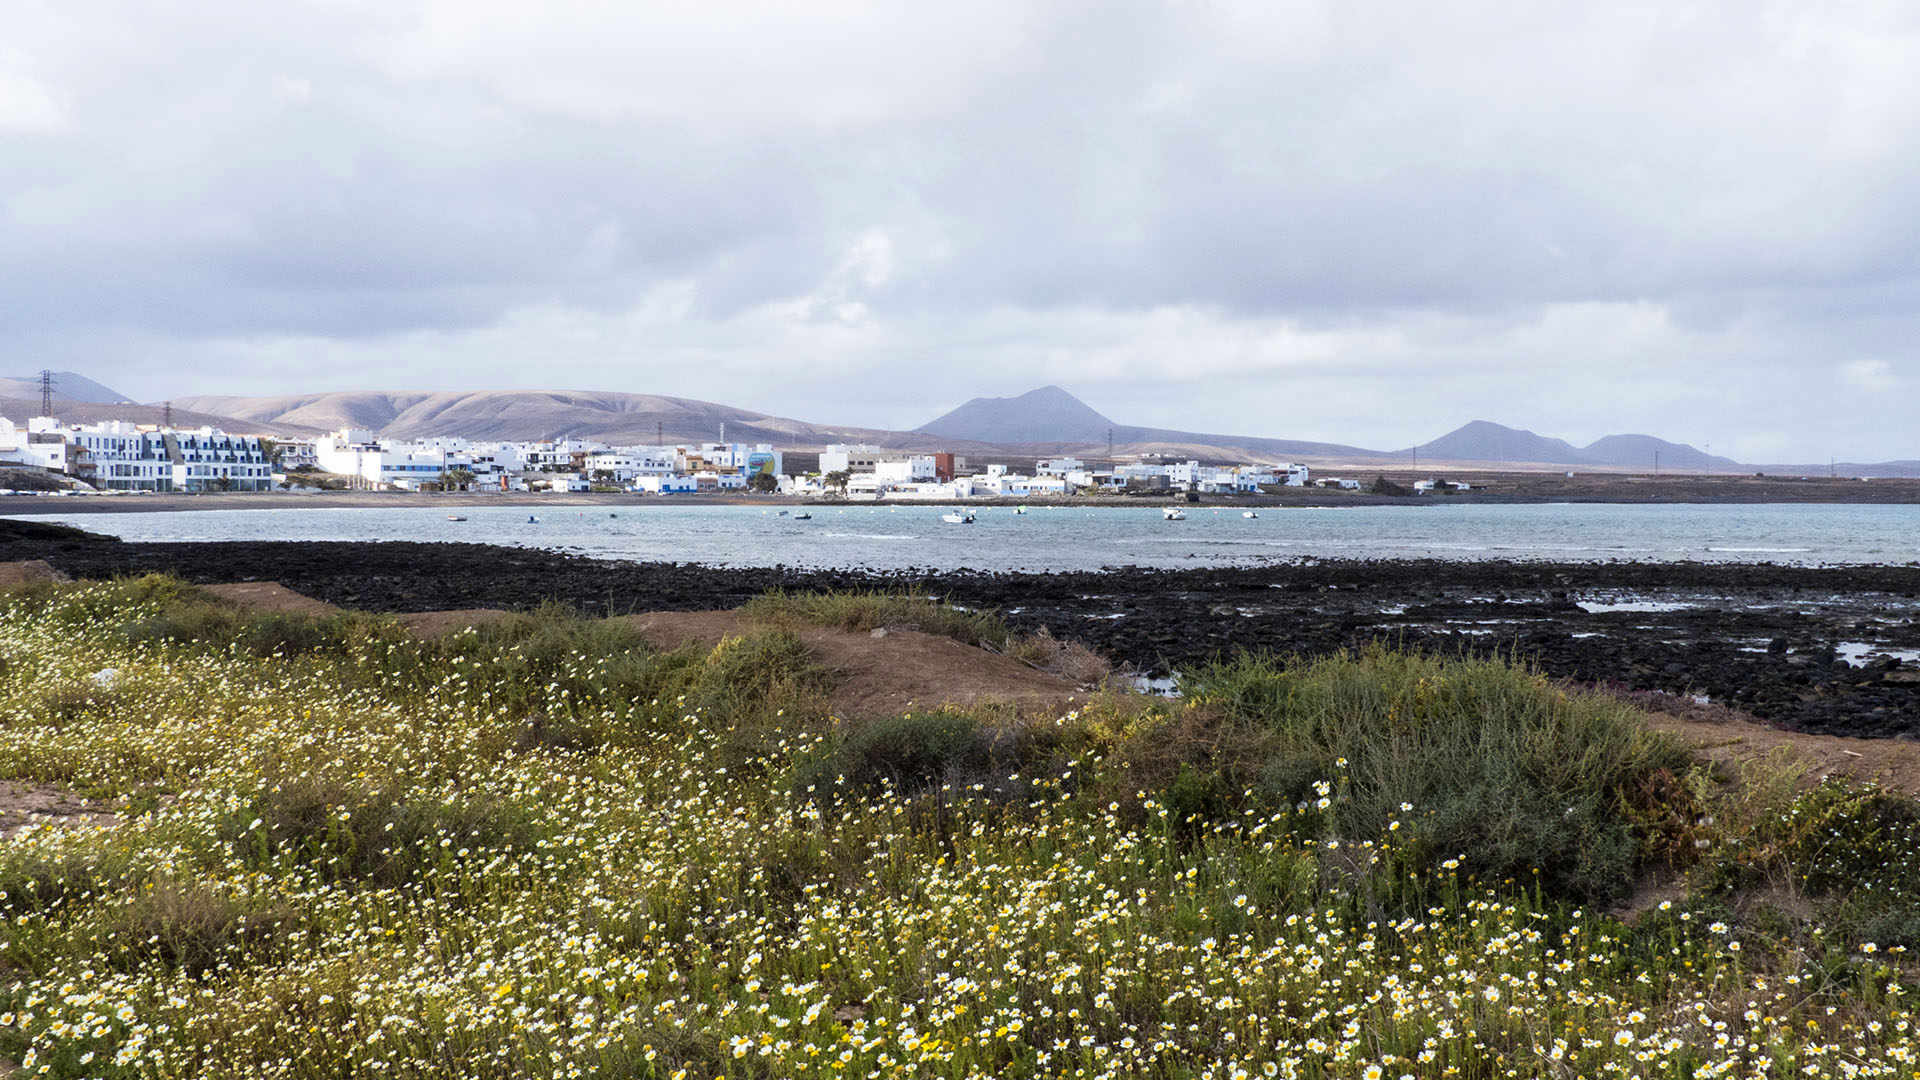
[{"x": 1715, "y": 630}]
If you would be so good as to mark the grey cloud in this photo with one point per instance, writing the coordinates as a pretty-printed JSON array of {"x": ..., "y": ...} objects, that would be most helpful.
[{"x": 1335, "y": 196}]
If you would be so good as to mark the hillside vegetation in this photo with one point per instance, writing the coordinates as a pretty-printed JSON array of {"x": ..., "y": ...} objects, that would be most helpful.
[{"x": 544, "y": 848}]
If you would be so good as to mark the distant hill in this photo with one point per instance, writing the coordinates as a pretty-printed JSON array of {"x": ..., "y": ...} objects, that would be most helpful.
[
  {"x": 1486, "y": 441},
  {"x": 18, "y": 409},
  {"x": 1052, "y": 417},
  {"x": 1043, "y": 422},
  {"x": 1483, "y": 440},
  {"x": 1046, "y": 415},
  {"x": 67, "y": 386},
  {"x": 538, "y": 414},
  {"x": 1640, "y": 450}
]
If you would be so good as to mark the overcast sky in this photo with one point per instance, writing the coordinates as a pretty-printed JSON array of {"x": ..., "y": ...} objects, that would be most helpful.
[{"x": 1359, "y": 222}]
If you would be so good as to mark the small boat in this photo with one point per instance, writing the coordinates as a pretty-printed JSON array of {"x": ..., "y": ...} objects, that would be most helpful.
[
  {"x": 1019, "y": 509},
  {"x": 783, "y": 513},
  {"x": 1248, "y": 514},
  {"x": 1173, "y": 513},
  {"x": 455, "y": 517},
  {"x": 613, "y": 515},
  {"x": 531, "y": 520},
  {"x": 803, "y": 516},
  {"x": 955, "y": 517}
]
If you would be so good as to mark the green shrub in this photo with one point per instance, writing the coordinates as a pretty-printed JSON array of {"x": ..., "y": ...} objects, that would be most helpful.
[
  {"x": 355, "y": 832},
  {"x": 954, "y": 751},
  {"x": 90, "y": 604},
  {"x": 191, "y": 927},
  {"x": 757, "y": 687},
  {"x": 1518, "y": 776}
]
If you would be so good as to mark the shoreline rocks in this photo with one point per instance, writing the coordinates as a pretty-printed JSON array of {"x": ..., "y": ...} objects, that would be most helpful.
[{"x": 1774, "y": 640}]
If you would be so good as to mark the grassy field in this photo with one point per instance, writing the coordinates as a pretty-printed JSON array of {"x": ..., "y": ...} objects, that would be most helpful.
[{"x": 544, "y": 849}]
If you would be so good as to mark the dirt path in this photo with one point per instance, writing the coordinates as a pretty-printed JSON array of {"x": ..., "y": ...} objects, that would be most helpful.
[
  {"x": 24, "y": 804},
  {"x": 272, "y": 597},
  {"x": 1729, "y": 738}
]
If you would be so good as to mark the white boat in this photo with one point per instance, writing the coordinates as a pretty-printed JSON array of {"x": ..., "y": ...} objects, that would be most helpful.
[
  {"x": 955, "y": 517},
  {"x": 1248, "y": 514},
  {"x": 803, "y": 516},
  {"x": 1173, "y": 513},
  {"x": 455, "y": 517},
  {"x": 531, "y": 520}
]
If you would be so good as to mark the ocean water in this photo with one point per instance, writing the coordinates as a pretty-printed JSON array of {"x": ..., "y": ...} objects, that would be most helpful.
[{"x": 1086, "y": 538}]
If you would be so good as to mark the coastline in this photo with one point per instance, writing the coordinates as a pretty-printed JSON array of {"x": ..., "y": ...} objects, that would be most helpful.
[
  {"x": 1500, "y": 488},
  {"x": 1829, "y": 650}
]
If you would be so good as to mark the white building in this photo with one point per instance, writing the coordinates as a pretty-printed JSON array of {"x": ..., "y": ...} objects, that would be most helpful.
[
  {"x": 857, "y": 457},
  {"x": 909, "y": 470},
  {"x": 35, "y": 447},
  {"x": 408, "y": 465},
  {"x": 120, "y": 456},
  {"x": 665, "y": 484}
]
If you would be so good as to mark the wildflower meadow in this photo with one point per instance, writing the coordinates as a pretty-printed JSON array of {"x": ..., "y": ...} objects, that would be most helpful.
[{"x": 546, "y": 849}]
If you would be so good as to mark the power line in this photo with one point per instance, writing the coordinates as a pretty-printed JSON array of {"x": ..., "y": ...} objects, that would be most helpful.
[{"x": 46, "y": 392}]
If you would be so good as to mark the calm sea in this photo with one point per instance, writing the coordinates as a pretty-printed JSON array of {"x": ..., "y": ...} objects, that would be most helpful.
[{"x": 904, "y": 537}]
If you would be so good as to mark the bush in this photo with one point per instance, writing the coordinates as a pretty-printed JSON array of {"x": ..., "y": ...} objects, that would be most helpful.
[
  {"x": 1854, "y": 852},
  {"x": 191, "y": 927},
  {"x": 353, "y": 832},
  {"x": 955, "y": 751},
  {"x": 1516, "y": 775}
]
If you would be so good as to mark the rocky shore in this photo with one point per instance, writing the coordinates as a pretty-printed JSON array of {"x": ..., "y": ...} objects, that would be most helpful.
[{"x": 1829, "y": 650}]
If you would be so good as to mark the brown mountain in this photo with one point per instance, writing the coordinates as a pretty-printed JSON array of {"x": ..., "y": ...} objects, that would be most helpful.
[
  {"x": 541, "y": 414},
  {"x": 18, "y": 409}
]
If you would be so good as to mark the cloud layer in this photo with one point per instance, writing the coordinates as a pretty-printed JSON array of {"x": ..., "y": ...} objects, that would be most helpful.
[{"x": 1356, "y": 222}]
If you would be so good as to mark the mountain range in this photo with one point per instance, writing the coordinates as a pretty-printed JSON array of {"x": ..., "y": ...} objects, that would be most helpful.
[
  {"x": 534, "y": 414},
  {"x": 1483, "y": 440},
  {"x": 1046, "y": 421},
  {"x": 1052, "y": 415}
]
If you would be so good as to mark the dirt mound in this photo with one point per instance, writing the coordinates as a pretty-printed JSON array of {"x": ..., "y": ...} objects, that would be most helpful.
[
  {"x": 15, "y": 574},
  {"x": 24, "y": 805},
  {"x": 887, "y": 674},
  {"x": 271, "y": 596}
]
